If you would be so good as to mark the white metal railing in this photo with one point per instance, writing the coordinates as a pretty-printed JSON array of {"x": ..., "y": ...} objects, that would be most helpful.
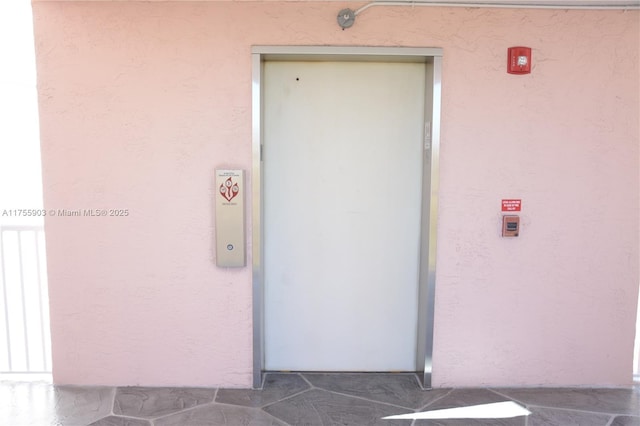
[
  {"x": 24, "y": 321},
  {"x": 636, "y": 350}
]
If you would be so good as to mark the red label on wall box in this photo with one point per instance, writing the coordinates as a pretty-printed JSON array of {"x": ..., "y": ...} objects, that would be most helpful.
[{"x": 511, "y": 205}]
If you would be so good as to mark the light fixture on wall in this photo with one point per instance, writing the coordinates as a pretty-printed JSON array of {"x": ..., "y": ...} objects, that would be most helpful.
[
  {"x": 347, "y": 17},
  {"x": 519, "y": 60}
]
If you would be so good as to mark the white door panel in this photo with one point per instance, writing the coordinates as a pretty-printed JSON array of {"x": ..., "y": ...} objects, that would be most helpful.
[{"x": 342, "y": 189}]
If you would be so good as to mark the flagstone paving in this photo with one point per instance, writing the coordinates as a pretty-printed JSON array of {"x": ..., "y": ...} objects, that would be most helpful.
[{"x": 307, "y": 399}]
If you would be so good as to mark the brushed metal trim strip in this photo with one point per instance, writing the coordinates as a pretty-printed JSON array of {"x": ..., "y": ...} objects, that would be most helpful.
[
  {"x": 357, "y": 52},
  {"x": 256, "y": 214},
  {"x": 433, "y": 222}
]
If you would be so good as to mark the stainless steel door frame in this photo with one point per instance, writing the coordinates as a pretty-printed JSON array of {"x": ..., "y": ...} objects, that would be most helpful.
[{"x": 427, "y": 280}]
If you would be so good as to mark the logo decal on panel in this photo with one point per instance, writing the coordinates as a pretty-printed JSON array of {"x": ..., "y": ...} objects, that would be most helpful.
[{"x": 229, "y": 189}]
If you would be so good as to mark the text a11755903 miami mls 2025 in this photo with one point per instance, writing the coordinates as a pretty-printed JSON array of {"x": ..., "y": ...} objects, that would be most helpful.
[{"x": 99, "y": 212}]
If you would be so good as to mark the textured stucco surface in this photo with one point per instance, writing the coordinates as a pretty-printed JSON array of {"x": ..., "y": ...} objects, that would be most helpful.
[{"x": 140, "y": 102}]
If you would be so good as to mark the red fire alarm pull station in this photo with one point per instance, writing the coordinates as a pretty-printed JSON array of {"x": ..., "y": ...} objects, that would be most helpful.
[{"x": 519, "y": 60}]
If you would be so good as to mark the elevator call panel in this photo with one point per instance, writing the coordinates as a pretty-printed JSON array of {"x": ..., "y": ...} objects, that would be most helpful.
[{"x": 230, "y": 230}]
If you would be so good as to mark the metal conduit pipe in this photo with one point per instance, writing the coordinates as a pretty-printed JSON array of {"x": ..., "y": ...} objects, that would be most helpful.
[{"x": 346, "y": 17}]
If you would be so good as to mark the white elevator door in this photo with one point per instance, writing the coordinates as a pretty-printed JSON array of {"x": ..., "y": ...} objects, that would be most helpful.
[{"x": 342, "y": 192}]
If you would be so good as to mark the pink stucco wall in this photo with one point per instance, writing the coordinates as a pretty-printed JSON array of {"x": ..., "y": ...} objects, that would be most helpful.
[{"x": 141, "y": 101}]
